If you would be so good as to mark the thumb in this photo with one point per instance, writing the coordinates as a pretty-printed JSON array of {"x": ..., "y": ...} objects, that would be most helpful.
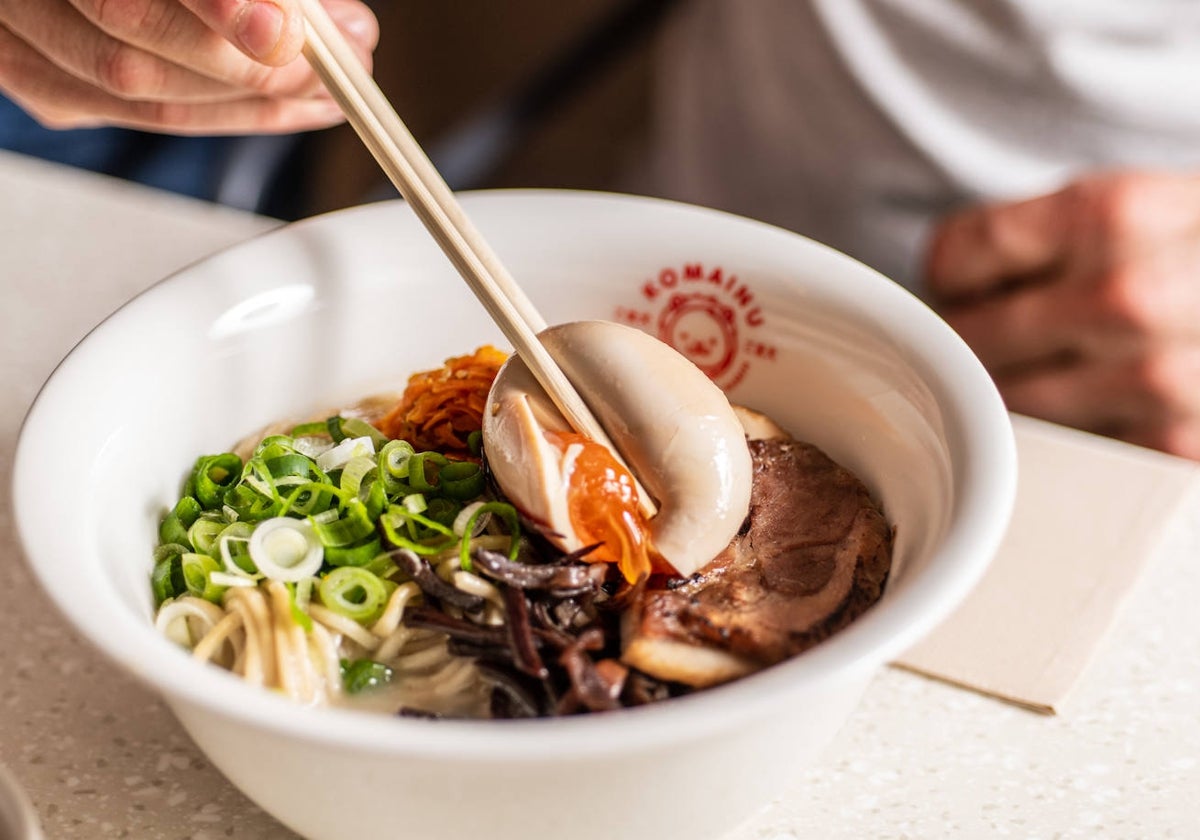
[{"x": 269, "y": 31}]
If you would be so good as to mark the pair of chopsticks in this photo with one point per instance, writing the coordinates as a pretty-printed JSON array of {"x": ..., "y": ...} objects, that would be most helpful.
[{"x": 413, "y": 174}]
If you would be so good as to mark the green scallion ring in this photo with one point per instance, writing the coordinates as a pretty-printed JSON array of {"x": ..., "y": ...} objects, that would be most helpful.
[
  {"x": 353, "y": 427},
  {"x": 357, "y": 555},
  {"x": 375, "y": 499},
  {"x": 425, "y": 536},
  {"x": 355, "y": 471},
  {"x": 353, "y": 526},
  {"x": 443, "y": 511},
  {"x": 362, "y": 674},
  {"x": 204, "y": 532},
  {"x": 508, "y": 514},
  {"x": 418, "y": 476},
  {"x": 354, "y": 593},
  {"x": 461, "y": 480},
  {"x": 167, "y": 580},
  {"x": 318, "y": 429},
  {"x": 175, "y": 524},
  {"x": 298, "y": 615},
  {"x": 234, "y": 542},
  {"x": 196, "y": 569},
  {"x": 311, "y": 498},
  {"x": 213, "y": 476}
]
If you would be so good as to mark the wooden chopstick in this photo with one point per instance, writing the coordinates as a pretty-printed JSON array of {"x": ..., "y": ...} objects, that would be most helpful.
[{"x": 413, "y": 174}]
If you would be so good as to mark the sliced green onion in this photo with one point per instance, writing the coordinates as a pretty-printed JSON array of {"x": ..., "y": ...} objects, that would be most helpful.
[
  {"x": 461, "y": 480},
  {"x": 362, "y": 674},
  {"x": 255, "y": 496},
  {"x": 312, "y": 499},
  {"x": 355, "y": 427},
  {"x": 424, "y": 535},
  {"x": 167, "y": 549},
  {"x": 375, "y": 498},
  {"x": 213, "y": 476},
  {"x": 318, "y": 429},
  {"x": 443, "y": 511},
  {"x": 418, "y": 476},
  {"x": 394, "y": 460},
  {"x": 197, "y": 569},
  {"x": 333, "y": 427},
  {"x": 506, "y": 512},
  {"x": 294, "y": 465},
  {"x": 313, "y": 447},
  {"x": 174, "y": 526},
  {"x": 353, "y": 526},
  {"x": 326, "y": 516},
  {"x": 188, "y": 510},
  {"x": 286, "y": 549},
  {"x": 475, "y": 443},
  {"x": 355, "y": 470},
  {"x": 466, "y": 521},
  {"x": 382, "y": 566},
  {"x": 227, "y": 580},
  {"x": 303, "y": 592},
  {"x": 300, "y": 504},
  {"x": 167, "y": 580},
  {"x": 298, "y": 612},
  {"x": 356, "y": 555},
  {"x": 340, "y": 455},
  {"x": 233, "y": 549},
  {"x": 354, "y": 593},
  {"x": 272, "y": 446},
  {"x": 340, "y": 428},
  {"x": 204, "y": 531}
]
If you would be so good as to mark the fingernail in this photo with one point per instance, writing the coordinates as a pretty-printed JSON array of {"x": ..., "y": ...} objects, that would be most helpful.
[{"x": 260, "y": 28}]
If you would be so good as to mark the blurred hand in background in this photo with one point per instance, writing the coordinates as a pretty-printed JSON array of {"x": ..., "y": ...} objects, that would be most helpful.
[
  {"x": 180, "y": 66},
  {"x": 1085, "y": 304}
]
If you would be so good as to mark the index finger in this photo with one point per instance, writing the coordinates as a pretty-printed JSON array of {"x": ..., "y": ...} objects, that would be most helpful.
[
  {"x": 269, "y": 31},
  {"x": 982, "y": 248}
]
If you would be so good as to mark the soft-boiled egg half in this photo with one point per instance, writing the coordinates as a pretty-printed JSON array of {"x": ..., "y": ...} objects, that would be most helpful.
[{"x": 673, "y": 426}]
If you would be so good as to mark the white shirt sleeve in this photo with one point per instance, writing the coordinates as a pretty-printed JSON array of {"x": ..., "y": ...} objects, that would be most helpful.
[{"x": 860, "y": 122}]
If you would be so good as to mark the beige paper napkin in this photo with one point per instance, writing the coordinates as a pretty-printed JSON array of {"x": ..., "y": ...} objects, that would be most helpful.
[{"x": 1089, "y": 513}]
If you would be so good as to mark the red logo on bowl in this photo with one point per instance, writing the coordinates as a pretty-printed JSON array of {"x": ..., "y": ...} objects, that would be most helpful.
[{"x": 707, "y": 314}]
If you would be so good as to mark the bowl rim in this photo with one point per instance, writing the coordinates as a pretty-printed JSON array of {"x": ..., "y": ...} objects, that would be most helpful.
[{"x": 987, "y": 495}]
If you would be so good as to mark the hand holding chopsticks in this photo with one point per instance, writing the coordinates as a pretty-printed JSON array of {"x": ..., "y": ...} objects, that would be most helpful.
[{"x": 411, "y": 171}]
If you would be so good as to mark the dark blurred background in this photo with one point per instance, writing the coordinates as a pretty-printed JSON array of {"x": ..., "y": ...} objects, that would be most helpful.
[{"x": 520, "y": 93}]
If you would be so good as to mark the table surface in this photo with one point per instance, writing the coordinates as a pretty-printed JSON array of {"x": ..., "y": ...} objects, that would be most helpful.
[{"x": 100, "y": 756}]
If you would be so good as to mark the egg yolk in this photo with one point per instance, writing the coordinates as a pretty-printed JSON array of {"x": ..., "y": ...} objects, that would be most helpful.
[{"x": 602, "y": 501}]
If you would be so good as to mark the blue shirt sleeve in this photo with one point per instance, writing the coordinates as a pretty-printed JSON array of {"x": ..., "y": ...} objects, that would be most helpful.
[{"x": 189, "y": 165}]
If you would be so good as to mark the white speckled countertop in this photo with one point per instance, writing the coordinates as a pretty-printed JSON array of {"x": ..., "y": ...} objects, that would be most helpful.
[{"x": 101, "y": 757}]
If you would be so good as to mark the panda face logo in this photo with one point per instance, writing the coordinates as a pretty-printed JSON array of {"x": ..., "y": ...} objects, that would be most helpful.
[
  {"x": 700, "y": 327},
  {"x": 708, "y": 314}
]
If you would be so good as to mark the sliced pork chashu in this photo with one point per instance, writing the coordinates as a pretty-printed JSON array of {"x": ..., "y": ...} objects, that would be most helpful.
[{"x": 813, "y": 555}]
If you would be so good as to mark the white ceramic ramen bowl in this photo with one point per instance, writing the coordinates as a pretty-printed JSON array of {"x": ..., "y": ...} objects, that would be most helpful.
[{"x": 344, "y": 305}]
